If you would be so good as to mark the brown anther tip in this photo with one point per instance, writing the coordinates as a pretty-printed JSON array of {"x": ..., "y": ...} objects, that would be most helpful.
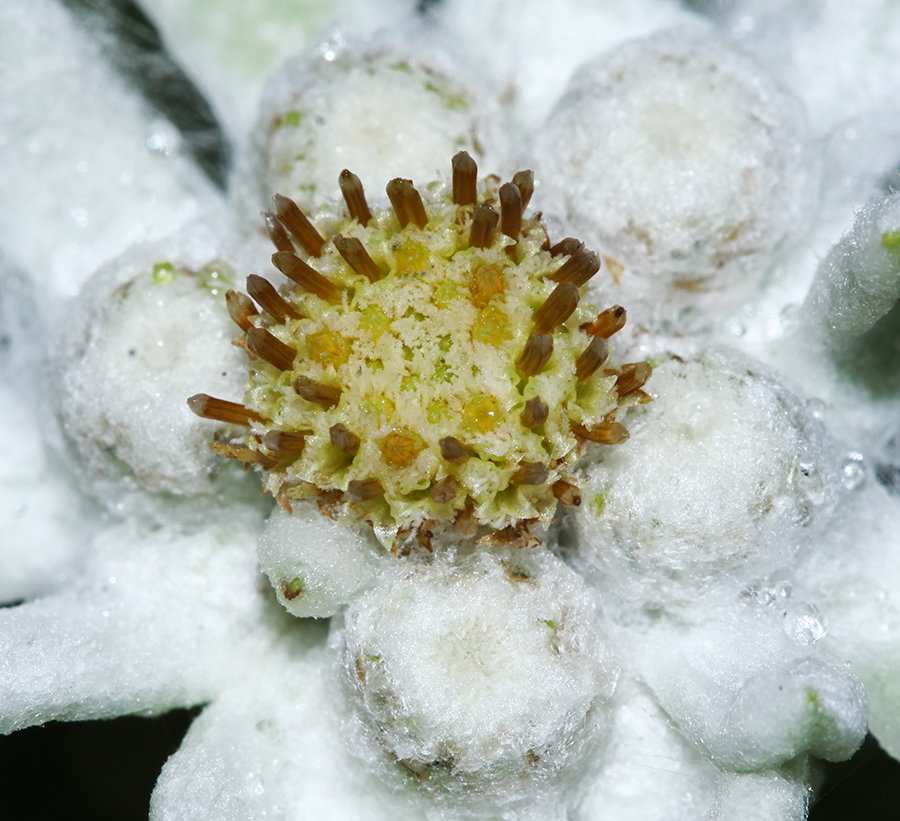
[
  {"x": 355, "y": 197},
  {"x": 524, "y": 181},
  {"x": 357, "y": 257},
  {"x": 406, "y": 202},
  {"x": 361, "y": 490},
  {"x": 484, "y": 223},
  {"x": 270, "y": 300},
  {"x": 424, "y": 535},
  {"x": 445, "y": 490},
  {"x": 568, "y": 493},
  {"x": 606, "y": 433},
  {"x": 593, "y": 356},
  {"x": 510, "y": 210},
  {"x": 578, "y": 268},
  {"x": 240, "y": 309},
  {"x": 530, "y": 473},
  {"x": 271, "y": 348},
  {"x": 306, "y": 277},
  {"x": 536, "y": 354},
  {"x": 316, "y": 392},
  {"x": 220, "y": 410},
  {"x": 559, "y": 306},
  {"x": 535, "y": 413},
  {"x": 453, "y": 451},
  {"x": 633, "y": 376},
  {"x": 465, "y": 177},
  {"x": 241, "y": 454},
  {"x": 566, "y": 247},
  {"x": 276, "y": 233},
  {"x": 292, "y": 218},
  {"x": 282, "y": 441},
  {"x": 344, "y": 439},
  {"x": 607, "y": 322}
]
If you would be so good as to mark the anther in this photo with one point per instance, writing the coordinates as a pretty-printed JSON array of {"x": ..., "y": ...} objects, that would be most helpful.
[
  {"x": 357, "y": 257},
  {"x": 445, "y": 490},
  {"x": 524, "y": 181},
  {"x": 484, "y": 223},
  {"x": 240, "y": 309},
  {"x": 566, "y": 247},
  {"x": 535, "y": 413},
  {"x": 606, "y": 433},
  {"x": 242, "y": 454},
  {"x": 560, "y": 305},
  {"x": 607, "y": 322},
  {"x": 221, "y": 410},
  {"x": 466, "y": 524},
  {"x": 453, "y": 450},
  {"x": 465, "y": 176},
  {"x": 316, "y": 392},
  {"x": 292, "y": 218},
  {"x": 282, "y": 441},
  {"x": 537, "y": 353},
  {"x": 361, "y": 490},
  {"x": 355, "y": 197},
  {"x": 344, "y": 439},
  {"x": 306, "y": 277},
  {"x": 406, "y": 202},
  {"x": 593, "y": 356},
  {"x": 530, "y": 473},
  {"x": 276, "y": 233},
  {"x": 633, "y": 376},
  {"x": 271, "y": 348},
  {"x": 568, "y": 493},
  {"x": 578, "y": 268},
  {"x": 510, "y": 210},
  {"x": 270, "y": 300}
]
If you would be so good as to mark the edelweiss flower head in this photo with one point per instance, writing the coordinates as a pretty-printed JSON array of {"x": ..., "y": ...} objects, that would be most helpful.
[{"x": 432, "y": 365}]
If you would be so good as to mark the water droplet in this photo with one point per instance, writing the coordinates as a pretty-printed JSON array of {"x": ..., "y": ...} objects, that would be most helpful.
[
  {"x": 804, "y": 623},
  {"x": 788, "y": 317},
  {"x": 816, "y": 408},
  {"x": 163, "y": 138},
  {"x": 853, "y": 471},
  {"x": 735, "y": 327}
]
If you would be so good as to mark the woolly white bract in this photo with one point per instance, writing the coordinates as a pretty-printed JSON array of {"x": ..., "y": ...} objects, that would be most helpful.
[{"x": 725, "y": 596}]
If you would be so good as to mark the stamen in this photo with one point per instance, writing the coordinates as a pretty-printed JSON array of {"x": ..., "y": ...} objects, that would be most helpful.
[
  {"x": 566, "y": 247},
  {"x": 425, "y": 533},
  {"x": 306, "y": 277},
  {"x": 276, "y": 233},
  {"x": 466, "y": 524},
  {"x": 240, "y": 309},
  {"x": 530, "y": 473},
  {"x": 357, "y": 257},
  {"x": 578, "y": 268},
  {"x": 361, "y": 490},
  {"x": 560, "y": 305},
  {"x": 270, "y": 300},
  {"x": 243, "y": 455},
  {"x": 484, "y": 223},
  {"x": 537, "y": 353},
  {"x": 316, "y": 392},
  {"x": 292, "y": 218},
  {"x": 510, "y": 210},
  {"x": 568, "y": 493},
  {"x": 282, "y": 441},
  {"x": 535, "y": 413},
  {"x": 344, "y": 439},
  {"x": 445, "y": 490},
  {"x": 593, "y": 357},
  {"x": 632, "y": 377},
  {"x": 453, "y": 450},
  {"x": 271, "y": 348},
  {"x": 221, "y": 410},
  {"x": 524, "y": 181},
  {"x": 465, "y": 177},
  {"x": 607, "y": 322},
  {"x": 355, "y": 197},
  {"x": 407, "y": 203},
  {"x": 606, "y": 433}
]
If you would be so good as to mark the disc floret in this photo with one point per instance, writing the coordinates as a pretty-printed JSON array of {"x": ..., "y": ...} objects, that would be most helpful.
[{"x": 430, "y": 364}]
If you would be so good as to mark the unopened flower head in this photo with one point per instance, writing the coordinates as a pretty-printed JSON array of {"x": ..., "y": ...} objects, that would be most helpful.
[{"x": 428, "y": 365}]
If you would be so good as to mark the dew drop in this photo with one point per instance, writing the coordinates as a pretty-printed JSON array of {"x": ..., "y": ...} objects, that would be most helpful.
[
  {"x": 853, "y": 471},
  {"x": 803, "y": 623}
]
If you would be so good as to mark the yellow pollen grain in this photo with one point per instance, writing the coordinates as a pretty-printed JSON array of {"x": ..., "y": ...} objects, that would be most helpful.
[
  {"x": 412, "y": 258},
  {"x": 400, "y": 449},
  {"x": 374, "y": 320},
  {"x": 491, "y": 326},
  {"x": 480, "y": 414},
  {"x": 488, "y": 282},
  {"x": 328, "y": 348}
]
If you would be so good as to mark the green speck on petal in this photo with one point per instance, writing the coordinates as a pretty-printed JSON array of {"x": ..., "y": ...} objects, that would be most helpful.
[
  {"x": 891, "y": 240},
  {"x": 551, "y": 624},
  {"x": 163, "y": 273},
  {"x": 294, "y": 588},
  {"x": 598, "y": 504},
  {"x": 445, "y": 293}
]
